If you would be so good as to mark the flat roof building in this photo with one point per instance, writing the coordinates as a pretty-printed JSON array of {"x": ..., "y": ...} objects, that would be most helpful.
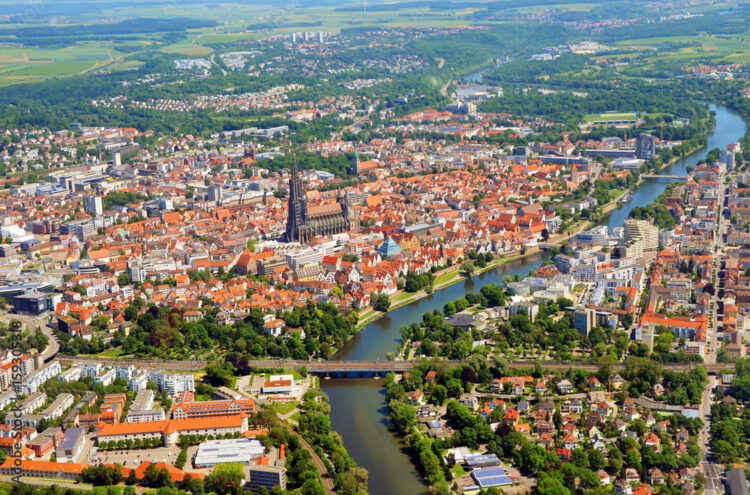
[
  {"x": 267, "y": 476},
  {"x": 242, "y": 450},
  {"x": 71, "y": 445}
]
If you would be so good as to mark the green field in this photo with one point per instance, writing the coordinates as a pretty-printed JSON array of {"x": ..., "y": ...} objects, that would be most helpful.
[
  {"x": 724, "y": 48},
  {"x": 19, "y": 64},
  {"x": 610, "y": 116}
]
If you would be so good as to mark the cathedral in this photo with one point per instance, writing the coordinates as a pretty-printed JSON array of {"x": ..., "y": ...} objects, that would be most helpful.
[{"x": 305, "y": 222}]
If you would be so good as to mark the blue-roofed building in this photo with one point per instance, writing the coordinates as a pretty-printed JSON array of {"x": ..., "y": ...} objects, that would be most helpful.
[
  {"x": 389, "y": 248},
  {"x": 70, "y": 447},
  {"x": 491, "y": 476},
  {"x": 482, "y": 460}
]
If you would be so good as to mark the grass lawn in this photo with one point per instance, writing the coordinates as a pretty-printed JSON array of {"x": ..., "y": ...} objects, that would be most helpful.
[
  {"x": 109, "y": 353},
  {"x": 446, "y": 278},
  {"x": 403, "y": 296},
  {"x": 458, "y": 471},
  {"x": 296, "y": 416},
  {"x": 610, "y": 116},
  {"x": 286, "y": 407}
]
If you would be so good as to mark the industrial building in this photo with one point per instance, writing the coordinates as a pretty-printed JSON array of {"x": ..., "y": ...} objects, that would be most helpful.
[{"x": 242, "y": 450}]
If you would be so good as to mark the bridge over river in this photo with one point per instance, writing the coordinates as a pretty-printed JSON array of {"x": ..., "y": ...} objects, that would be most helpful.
[
  {"x": 359, "y": 369},
  {"x": 663, "y": 177}
]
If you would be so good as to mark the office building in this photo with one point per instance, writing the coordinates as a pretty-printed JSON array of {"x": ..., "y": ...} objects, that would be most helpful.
[
  {"x": 70, "y": 447},
  {"x": 83, "y": 229},
  {"x": 727, "y": 158},
  {"x": 93, "y": 205},
  {"x": 644, "y": 231},
  {"x": 645, "y": 146},
  {"x": 267, "y": 476},
  {"x": 584, "y": 319}
]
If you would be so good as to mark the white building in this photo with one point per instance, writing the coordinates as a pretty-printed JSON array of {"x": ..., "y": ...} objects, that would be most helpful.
[
  {"x": 106, "y": 378},
  {"x": 93, "y": 204},
  {"x": 242, "y": 450},
  {"x": 173, "y": 385},
  {"x": 35, "y": 379},
  {"x": 90, "y": 369},
  {"x": 72, "y": 374}
]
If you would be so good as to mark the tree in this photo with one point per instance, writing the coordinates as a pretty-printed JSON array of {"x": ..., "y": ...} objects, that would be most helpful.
[
  {"x": 225, "y": 479},
  {"x": 606, "y": 367},
  {"x": 312, "y": 486},
  {"x": 439, "y": 394},
  {"x": 597, "y": 460},
  {"x": 403, "y": 416},
  {"x": 627, "y": 320},
  {"x": 380, "y": 302},
  {"x": 467, "y": 269},
  {"x": 550, "y": 485}
]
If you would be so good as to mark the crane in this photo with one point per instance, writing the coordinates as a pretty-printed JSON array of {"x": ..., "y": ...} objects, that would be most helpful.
[{"x": 660, "y": 126}]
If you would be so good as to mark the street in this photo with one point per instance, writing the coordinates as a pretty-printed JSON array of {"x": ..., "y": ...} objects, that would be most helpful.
[
  {"x": 32, "y": 322},
  {"x": 712, "y": 470}
]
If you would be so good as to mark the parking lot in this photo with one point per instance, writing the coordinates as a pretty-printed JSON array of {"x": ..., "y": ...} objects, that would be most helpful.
[{"x": 132, "y": 458}]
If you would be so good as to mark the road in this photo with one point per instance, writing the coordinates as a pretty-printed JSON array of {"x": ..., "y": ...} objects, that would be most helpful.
[
  {"x": 711, "y": 469},
  {"x": 715, "y": 303},
  {"x": 32, "y": 322}
]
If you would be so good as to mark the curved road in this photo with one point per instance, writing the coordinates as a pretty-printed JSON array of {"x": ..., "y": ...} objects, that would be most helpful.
[{"x": 32, "y": 322}]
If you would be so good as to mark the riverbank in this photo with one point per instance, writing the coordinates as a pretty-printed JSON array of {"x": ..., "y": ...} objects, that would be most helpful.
[
  {"x": 452, "y": 275},
  {"x": 359, "y": 412}
]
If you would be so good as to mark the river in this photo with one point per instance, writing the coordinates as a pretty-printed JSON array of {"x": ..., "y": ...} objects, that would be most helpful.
[{"x": 358, "y": 410}]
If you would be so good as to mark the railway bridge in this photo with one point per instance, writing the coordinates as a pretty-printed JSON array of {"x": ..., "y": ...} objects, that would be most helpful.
[{"x": 360, "y": 369}]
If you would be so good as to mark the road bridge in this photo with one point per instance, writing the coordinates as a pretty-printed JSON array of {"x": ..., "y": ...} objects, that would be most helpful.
[{"x": 663, "y": 177}]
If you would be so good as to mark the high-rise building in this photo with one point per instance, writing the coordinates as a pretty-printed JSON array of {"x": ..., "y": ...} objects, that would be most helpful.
[
  {"x": 83, "y": 229},
  {"x": 727, "y": 158},
  {"x": 215, "y": 193},
  {"x": 94, "y": 205},
  {"x": 304, "y": 222},
  {"x": 584, "y": 319},
  {"x": 644, "y": 231},
  {"x": 645, "y": 146}
]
